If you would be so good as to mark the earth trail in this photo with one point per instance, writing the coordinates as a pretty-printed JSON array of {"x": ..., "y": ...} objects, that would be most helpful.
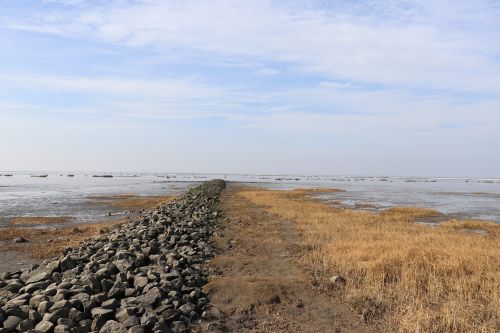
[{"x": 258, "y": 285}]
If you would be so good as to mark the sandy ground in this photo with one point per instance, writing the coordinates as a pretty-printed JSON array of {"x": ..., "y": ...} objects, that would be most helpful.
[
  {"x": 13, "y": 261},
  {"x": 257, "y": 283}
]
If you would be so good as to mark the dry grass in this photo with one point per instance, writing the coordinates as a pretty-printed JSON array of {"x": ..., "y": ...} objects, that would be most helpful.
[
  {"x": 473, "y": 226},
  {"x": 40, "y": 220},
  {"x": 411, "y": 278},
  {"x": 130, "y": 201},
  {"x": 46, "y": 243}
]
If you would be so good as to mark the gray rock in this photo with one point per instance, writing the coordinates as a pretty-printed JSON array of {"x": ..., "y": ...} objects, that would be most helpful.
[
  {"x": 151, "y": 297},
  {"x": 140, "y": 282},
  {"x": 19, "y": 240},
  {"x": 337, "y": 281},
  {"x": 67, "y": 263},
  {"x": 131, "y": 321},
  {"x": 117, "y": 291},
  {"x": 13, "y": 287},
  {"x": 12, "y": 322},
  {"x": 64, "y": 304},
  {"x": 36, "y": 300},
  {"x": 44, "y": 307},
  {"x": 26, "y": 325},
  {"x": 39, "y": 277},
  {"x": 44, "y": 327},
  {"x": 52, "y": 267},
  {"x": 136, "y": 329},
  {"x": 30, "y": 288},
  {"x": 113, "y": 327},
  {"x": 107, "y": 313},
  {"x": 178, "y": 327},
  {"x": 112, "y": 304},
  {"x": 62, "y": 329},
  {"x": 34, "y": 316}
]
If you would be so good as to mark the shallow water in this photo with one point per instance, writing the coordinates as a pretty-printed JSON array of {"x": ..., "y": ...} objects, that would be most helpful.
[
  {"x": 56, "y": 195},
  {"x": 60, "y": 195}
]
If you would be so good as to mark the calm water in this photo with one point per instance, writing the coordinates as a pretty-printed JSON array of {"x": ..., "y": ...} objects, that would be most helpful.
[{"x": 56, "y": 195}]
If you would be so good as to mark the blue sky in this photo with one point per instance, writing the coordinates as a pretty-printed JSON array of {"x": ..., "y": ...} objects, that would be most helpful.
[{"x": 320, "y": 87}]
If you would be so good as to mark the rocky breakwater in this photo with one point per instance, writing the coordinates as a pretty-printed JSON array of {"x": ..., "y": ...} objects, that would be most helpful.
[{"x": 144, "y": 276}]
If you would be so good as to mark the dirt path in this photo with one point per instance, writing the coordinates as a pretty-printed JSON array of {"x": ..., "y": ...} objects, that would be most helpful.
[{"x": 258, "y": 285}]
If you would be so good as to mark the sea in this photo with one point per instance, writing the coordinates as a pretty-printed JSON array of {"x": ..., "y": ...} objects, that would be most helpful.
[{"x": 67, "y": 193}]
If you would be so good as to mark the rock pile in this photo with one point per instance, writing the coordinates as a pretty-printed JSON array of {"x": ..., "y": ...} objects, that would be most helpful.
[{"x": 144, "y": 276}]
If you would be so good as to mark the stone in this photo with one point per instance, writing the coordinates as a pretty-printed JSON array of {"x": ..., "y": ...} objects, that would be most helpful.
[
  {"x": 67, "y": 263},
  {"x": 62, "y": 329},
  {"x": 39, "y": 277},
  {"x": 178, "y": 327},
  {"x": 52, "y": 267},
  {"x": 112, "y": 304},
  {"x": 44, "y": 327},
  {"x": 12, "y": 322},
  {"x": 117, "y": 291},
  {"x": 60, "y": 305},
  {"x": 151, "y": 297},
  {"x": 13, "y": 287},
  {"x": 131, "y": 321},
  {"x": 36, "y": 300},
  {"x": 149, "y": 319},
  {"x": 112, "y": 326},
  {"x": 19, "y": 240},
  {"x": 136, "y": 329},
  {"x": 26, "y": 325},
  {"x": 337, "y": 281},
  {"x": 140, "y": 282}
]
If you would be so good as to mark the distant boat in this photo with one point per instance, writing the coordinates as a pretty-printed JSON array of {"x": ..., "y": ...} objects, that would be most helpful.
[
  {"x": 103, "y": 176},
  {"x": 71, "y": 175},
  {"x": 40, "y": 176},
  {"x": 8, "y": 175}
]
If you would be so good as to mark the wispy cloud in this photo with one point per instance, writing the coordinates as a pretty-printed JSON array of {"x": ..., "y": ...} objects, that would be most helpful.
[{"x": 390, "y": 43}]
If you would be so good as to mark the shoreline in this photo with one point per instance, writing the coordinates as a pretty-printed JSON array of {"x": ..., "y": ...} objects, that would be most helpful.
[{"x": 48, "y": 236}]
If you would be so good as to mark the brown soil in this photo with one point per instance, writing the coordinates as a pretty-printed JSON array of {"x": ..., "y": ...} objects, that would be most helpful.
[
  {"x": 46, "y": 243},
  {"x": 258, "y": 284}
]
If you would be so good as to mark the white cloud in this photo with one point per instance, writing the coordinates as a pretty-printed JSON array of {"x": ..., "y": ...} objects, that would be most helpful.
[{"x": 416, "y": 44}]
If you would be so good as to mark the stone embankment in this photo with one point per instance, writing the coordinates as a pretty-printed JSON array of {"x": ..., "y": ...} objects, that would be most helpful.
[{"x": 143, "y": 276}]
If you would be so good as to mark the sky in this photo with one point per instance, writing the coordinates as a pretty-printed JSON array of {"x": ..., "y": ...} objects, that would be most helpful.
[{"x": 361, "y": 87}]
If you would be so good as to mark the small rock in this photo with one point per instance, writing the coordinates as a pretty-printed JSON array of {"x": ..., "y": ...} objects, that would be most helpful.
[
  {"x": 337, "y": 281},
  {"x": 112, "y": 326},
  {"x": 44, "y": 326},
  {"x": 19, "y": 240},
  {"x": 12, "y": 322},
  {"x": 25, "y": 325}
]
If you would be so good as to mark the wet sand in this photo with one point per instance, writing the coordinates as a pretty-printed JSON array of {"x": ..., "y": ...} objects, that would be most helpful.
[{"x": 12, "y": 261}]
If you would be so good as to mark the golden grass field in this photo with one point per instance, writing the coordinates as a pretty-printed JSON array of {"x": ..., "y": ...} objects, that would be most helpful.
[{"x": 406, "y": 277}]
